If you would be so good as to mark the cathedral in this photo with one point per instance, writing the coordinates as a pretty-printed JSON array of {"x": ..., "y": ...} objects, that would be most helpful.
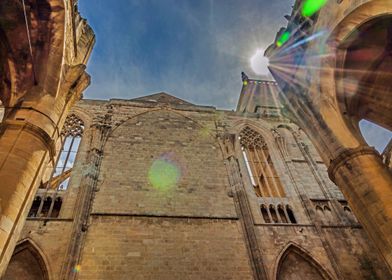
[
  {"x": 159, "y": 188},
  {"x": 284, "y": 187}
]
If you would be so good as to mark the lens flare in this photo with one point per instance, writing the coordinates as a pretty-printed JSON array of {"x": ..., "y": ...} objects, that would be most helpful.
[
  {"x": 310, "y": 7},
  {"x": 283, "y": 39},
  {"x": 164, "y": 173},
  {"x": 260, "y": 63},
  {"x": 77, "y": 268}
]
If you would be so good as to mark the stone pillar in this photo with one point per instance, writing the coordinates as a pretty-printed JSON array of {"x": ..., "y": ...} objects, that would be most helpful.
[
  {"x": 26, "y": 141},
  {"x": 100, "y": 129},
  {"x": 367, "y": 184}
]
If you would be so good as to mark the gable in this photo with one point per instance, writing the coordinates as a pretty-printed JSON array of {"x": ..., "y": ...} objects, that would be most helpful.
[{"x": 162, "y": 97}]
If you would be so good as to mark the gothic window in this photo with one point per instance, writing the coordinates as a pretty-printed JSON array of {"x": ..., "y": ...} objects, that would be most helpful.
[
  {"x": 328, "y": 213},
  {"x": 26, "y": 263},
  {"x": 258, "y": 161},
  {"x": 319, "y": 212},
  {"x": 46, "y": 207},
  {"x": 56, "y": 207},
  {"x": 273, "y": 214},
  {"x": 296, "y": 264},
  {"x": 59, "y": 177},
  {"x": 279, "y": 214},
  {"x": 347, "y": 211},
  {"x": 282, "y": 214},
  {"x": 290, "y": 213},
  {"x": 72, "y": 134},
  {"x": 35, "y": 207},
  {"x": 264, "y": 212}
]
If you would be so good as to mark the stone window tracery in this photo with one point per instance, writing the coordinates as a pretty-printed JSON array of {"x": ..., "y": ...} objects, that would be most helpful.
[
  {"x": 72, "y": 134},
  {"x": 49, "y": 199},
  {"x": 260, "y": 167}
]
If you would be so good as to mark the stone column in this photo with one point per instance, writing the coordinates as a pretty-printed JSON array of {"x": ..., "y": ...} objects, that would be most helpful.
[
  {"x": 367, "y": 184},
  {"x": 100, "y": 129},
  {"x": 27, "y": 142}
]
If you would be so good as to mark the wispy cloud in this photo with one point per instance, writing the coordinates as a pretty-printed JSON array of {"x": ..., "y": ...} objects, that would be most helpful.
[{"x": 193, "y": 49}]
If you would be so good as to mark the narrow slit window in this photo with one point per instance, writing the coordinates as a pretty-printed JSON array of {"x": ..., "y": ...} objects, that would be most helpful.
[
  {"x": 264, "y": 212},
  {"x": 46, "y": 207},
  {"x": 273, "y": 214},
  {"x": 56, "y": 207},
  {"x": 35, "y": 207},
  {"x": 290, "y": 213},
  {"x": 282, "y": 215}
]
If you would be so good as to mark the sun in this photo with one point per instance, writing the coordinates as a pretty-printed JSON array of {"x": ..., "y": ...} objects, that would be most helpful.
[{"x": 260, "y": 63}]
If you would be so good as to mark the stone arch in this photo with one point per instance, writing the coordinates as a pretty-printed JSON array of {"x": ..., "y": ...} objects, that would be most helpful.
[
  {"x": 263, "y": 128},
  {"x": 28, "y": 262},
  {"x": 363, "y": 76},
  {"x": 20, "y": 68},
  {"x": 331, "y": 78},
  {"x": 196, "y": 123},
  {"x": 295, "y": 263}
]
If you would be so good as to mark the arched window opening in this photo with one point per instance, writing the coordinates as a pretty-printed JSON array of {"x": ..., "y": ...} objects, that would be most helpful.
[
  {"x": 46, "y": 207},
  {"x": 349, "y": 214},
  {"x": 260, "y": 167},
  {"x": 297, "y": 264},
  {"x": 56, "y": 207},
  {"x": 290, "y": 213},
  {"x": 273, "y": 214},
  {"x": 328, "y": 213},
  {"x": 282, "y": 215},
  {"x": 264, "y": 212},
  {"x": 26, "y": 263},
  {"x": 72, "y": 133},
  {"x": 35, "y": 207},
  {"x": 319, "y": 212}
]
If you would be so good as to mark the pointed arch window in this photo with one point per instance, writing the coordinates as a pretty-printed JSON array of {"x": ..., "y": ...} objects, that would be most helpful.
[
  {"x": 72, "y": 135},
  {"x": 258, "y": 161}
]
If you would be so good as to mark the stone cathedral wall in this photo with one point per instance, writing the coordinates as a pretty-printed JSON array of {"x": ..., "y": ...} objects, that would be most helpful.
[{"x": 198, "y": 229}]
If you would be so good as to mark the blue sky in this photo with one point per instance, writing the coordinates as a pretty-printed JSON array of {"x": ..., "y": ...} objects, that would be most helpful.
[{"x": 192, "y": 49}]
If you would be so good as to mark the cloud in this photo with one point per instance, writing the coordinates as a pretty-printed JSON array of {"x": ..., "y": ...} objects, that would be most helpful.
[{"x": 194, "y": 50}]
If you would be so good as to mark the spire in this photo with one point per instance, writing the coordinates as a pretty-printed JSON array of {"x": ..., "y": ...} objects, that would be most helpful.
[{"x": 244, "y": 77}]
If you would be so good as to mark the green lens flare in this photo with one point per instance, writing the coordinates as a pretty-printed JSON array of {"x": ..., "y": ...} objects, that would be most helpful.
[
  {"x": 283, "y": 39},
  {"x": 310, "y": 7},
  {"x": 163, "y": 175}
]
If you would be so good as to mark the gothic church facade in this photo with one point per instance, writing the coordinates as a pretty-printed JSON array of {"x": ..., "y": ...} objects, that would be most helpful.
[{"x": 159, "y": 188}]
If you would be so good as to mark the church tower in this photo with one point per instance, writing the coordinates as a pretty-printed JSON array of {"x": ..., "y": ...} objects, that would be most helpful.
[{"x": 159, "y": 188}]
